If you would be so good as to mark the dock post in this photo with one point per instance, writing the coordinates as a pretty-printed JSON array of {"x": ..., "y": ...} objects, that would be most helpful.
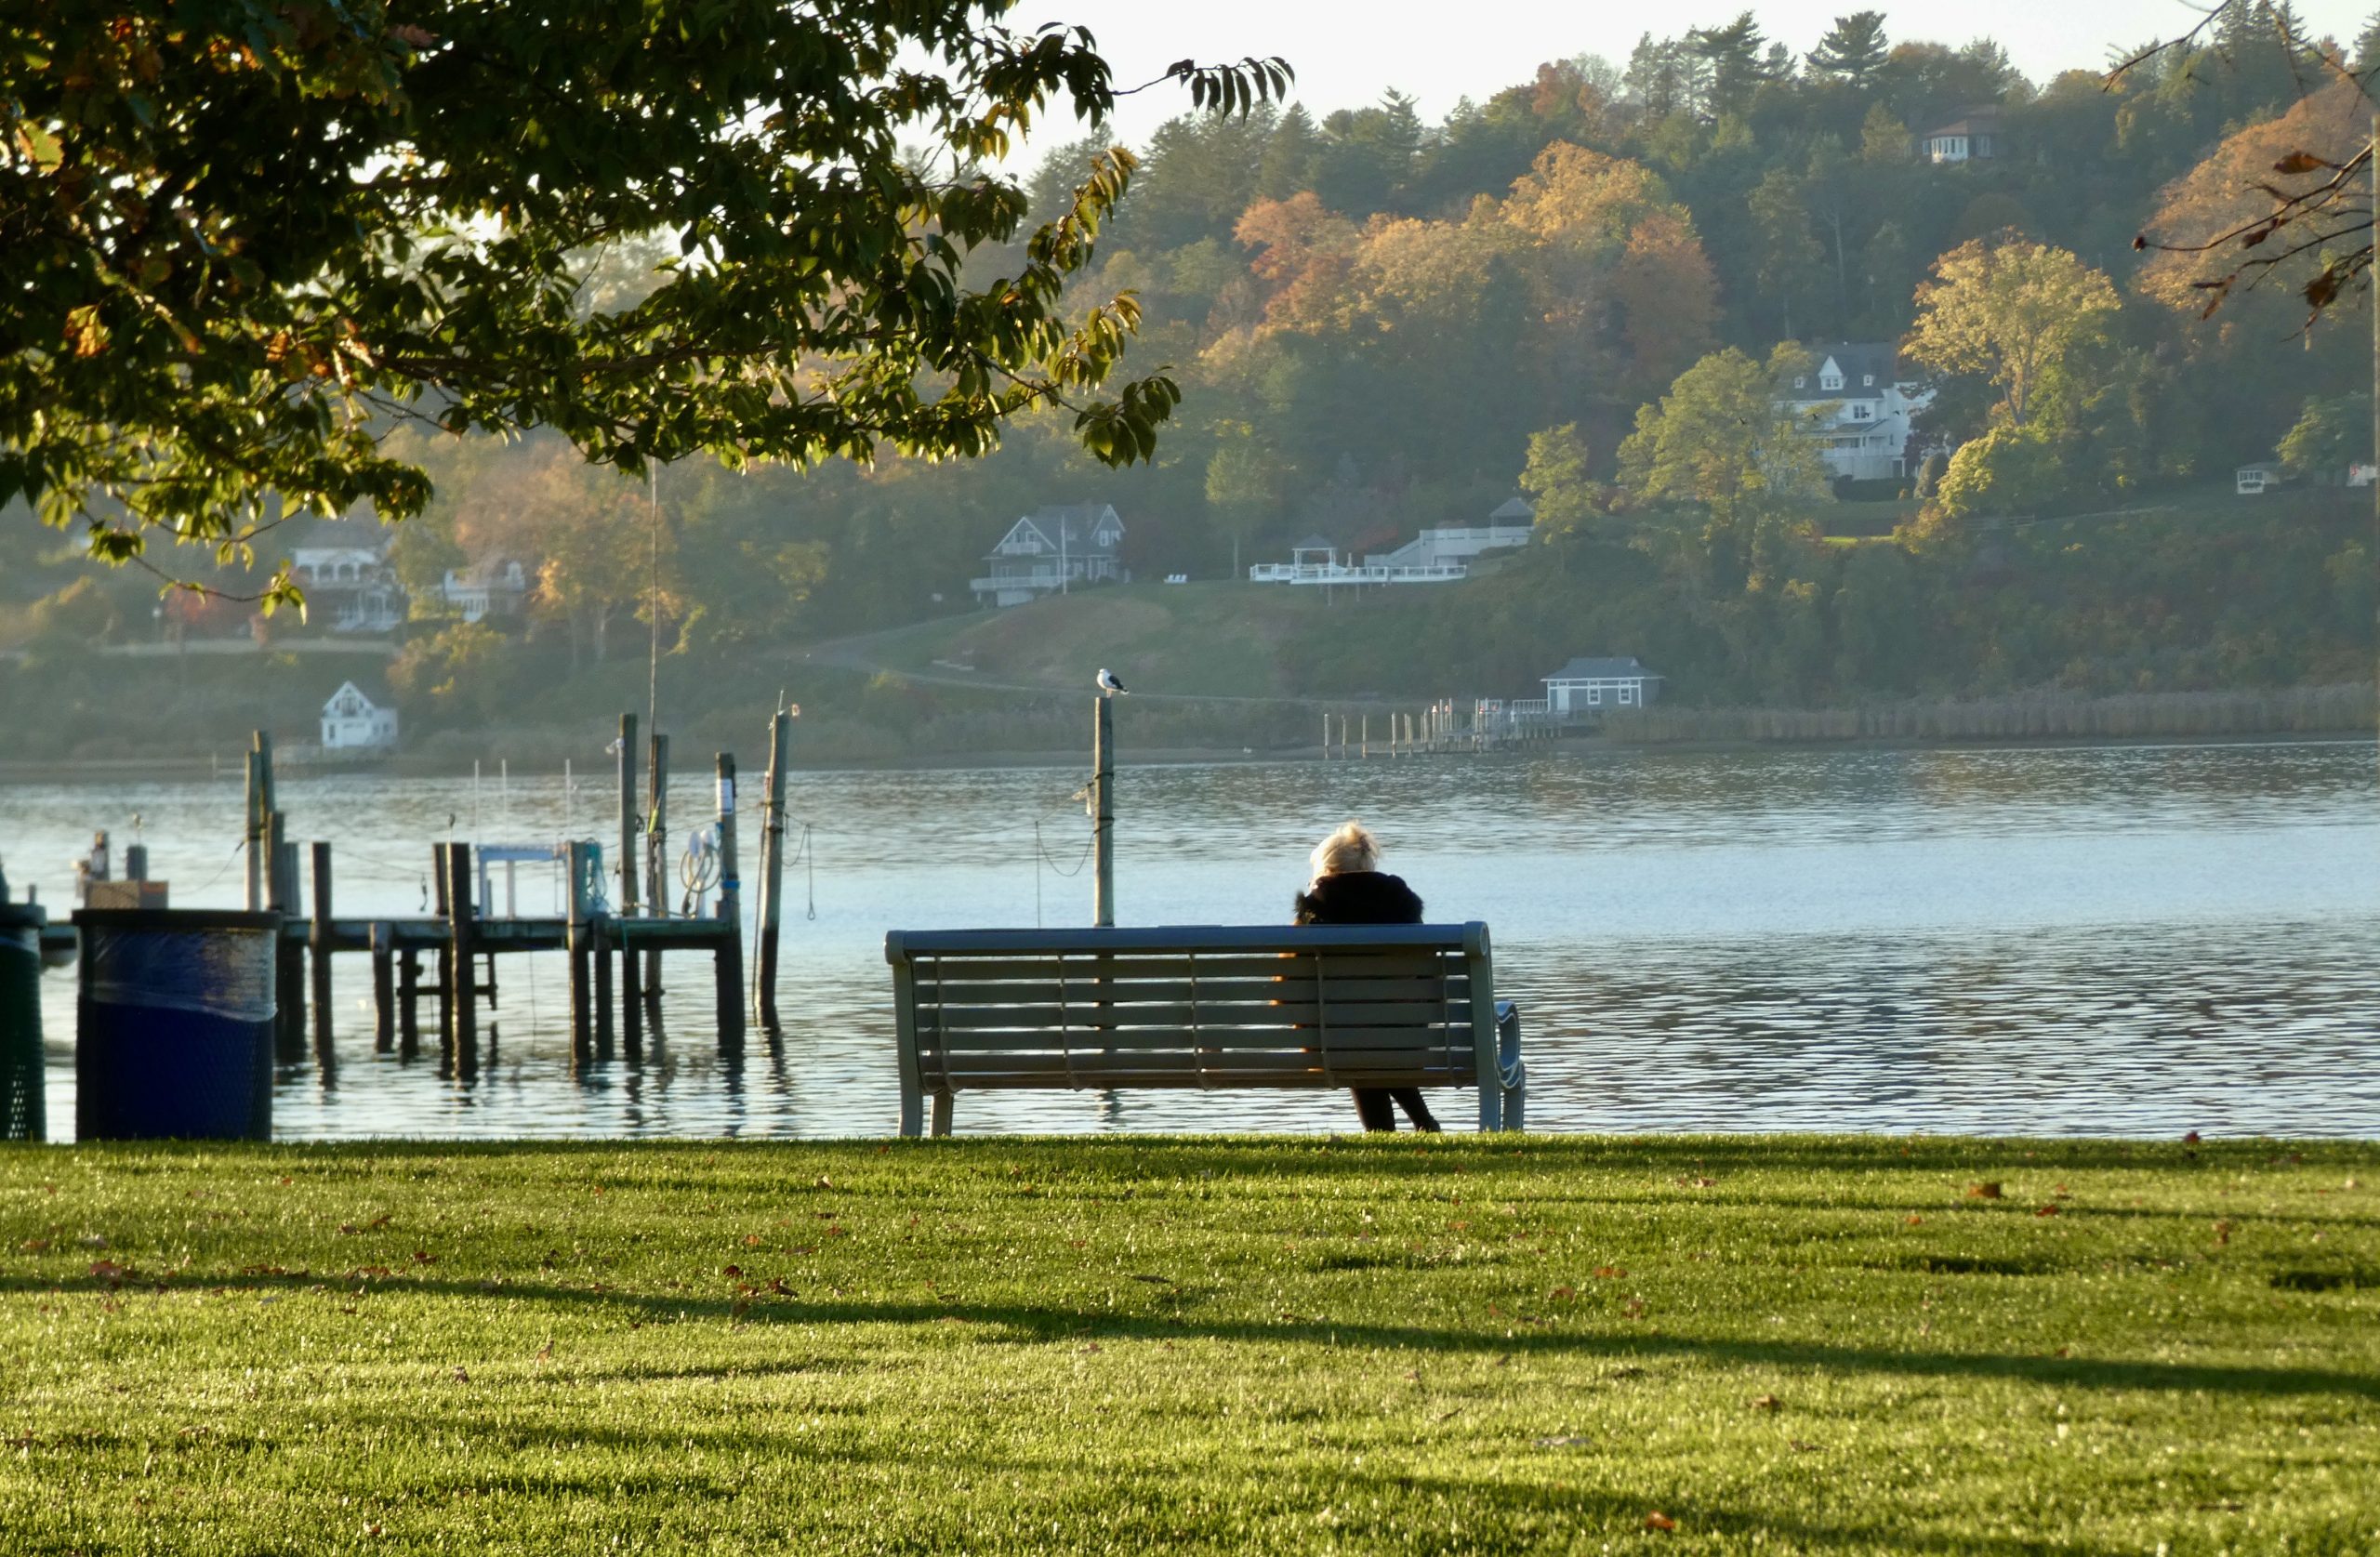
[
  {"x": 260, "y": 804},
  {"x": 656, "y": 853},
  {"x": 625, "y": 908},
  {"x": 602, "y": 938},
  {"x": 771, "y": 904},
  {"x": 384, "y": 981},
  {"x": 288, "y": 958},
  {"x": 1103, "y": 794},
  {"x": 727, "y": 962},
  {"x": 443, "y": 965},
  {"x": 318, "y": 937},
  {"x": 462, "y": 990},
  {"x": 581, "y": 1012},
  {"x": 631, "y": 1000},
  {"x": 409, "y": 1003},
  {"x": 1365, "y": 748}
]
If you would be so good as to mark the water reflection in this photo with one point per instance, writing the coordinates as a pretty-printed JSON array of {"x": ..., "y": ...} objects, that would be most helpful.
[{"x": 2136, "y": 939}]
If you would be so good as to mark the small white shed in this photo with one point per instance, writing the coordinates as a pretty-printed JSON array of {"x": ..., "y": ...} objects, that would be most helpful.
[{"x": 353, "y": 722}]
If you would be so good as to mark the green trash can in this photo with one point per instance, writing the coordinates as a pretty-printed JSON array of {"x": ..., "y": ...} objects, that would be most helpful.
[
  {"x": 174, "y": 1024},
  {"x": 20, "y": 1061}
]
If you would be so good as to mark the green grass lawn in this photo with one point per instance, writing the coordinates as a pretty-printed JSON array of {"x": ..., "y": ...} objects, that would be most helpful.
[{"x": 1458, "y": 1344}]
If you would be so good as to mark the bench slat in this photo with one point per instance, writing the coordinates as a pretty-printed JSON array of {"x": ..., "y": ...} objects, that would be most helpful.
[
  {"x": 1206, "y": 991},
  {"x": 1278, "y": 1070},
  {"x": 1394, "y": 963},
  {"x": 1285, "y": 1040},
  {"x": 1085, "y": 1016}
]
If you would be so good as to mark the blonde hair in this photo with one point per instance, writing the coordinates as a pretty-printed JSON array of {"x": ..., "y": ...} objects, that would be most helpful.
[{"x": 1352, "y": 848}]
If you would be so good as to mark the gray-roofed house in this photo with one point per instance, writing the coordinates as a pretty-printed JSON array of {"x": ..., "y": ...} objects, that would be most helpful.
[
  {"x": 1589, "y": 685},
  {"x": 1858, "y": 401},
  {"x": 343, "y": 566},
  {"x": 1051, "y": 549},
  {"x": 1972, "y": 136}
]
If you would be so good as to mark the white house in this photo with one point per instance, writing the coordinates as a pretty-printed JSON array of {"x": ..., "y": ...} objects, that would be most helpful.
[
  {"x": 491, "y": 586},
  {"x": 1051, "y": 550},
  {"x": 1593, "y": 685},
  {"x": 2251, "y": 480},
  {"x": 1862, "y": 407},
  {"x": 1974, "y": 137},
  {"x": 1507, "y": 526},
  {"x": 343, "y": 566},
  {"x": 353, "y": 722}
]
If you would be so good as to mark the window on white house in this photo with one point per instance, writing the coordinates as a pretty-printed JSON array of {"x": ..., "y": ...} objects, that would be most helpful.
[
  {"x": 1831, "y": 381},
  {"x": 1867, "y": 381},
  {"x": 1801, "y": 380}
]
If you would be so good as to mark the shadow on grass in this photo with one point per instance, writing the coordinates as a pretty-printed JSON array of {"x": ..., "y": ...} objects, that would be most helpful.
[{"x": 1027, "y": 1324}]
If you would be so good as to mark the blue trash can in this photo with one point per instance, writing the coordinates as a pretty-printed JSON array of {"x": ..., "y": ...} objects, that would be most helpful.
[
  {"x": 174, "y": 1024},
  {"x": 20, "y": 1061}
]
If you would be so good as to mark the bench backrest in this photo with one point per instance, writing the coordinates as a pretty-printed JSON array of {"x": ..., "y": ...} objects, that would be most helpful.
[{"x": 1222, "y": 1006}]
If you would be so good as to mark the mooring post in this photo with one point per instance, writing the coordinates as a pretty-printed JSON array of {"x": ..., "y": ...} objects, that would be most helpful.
[
  {"x": 318, "y": 939},
  {"x": 727, "y": 962},
  {"x": 601, "y": 936},
  {"x": 626, "y": 867},
  {"x": 409, "y": 1003},
  {"x": 1103, "y": 782},
  {"x": 580, "y": 867},
  {"x": 657, "y": 853},
  {"x": 771, "y": 906},
  {"x": 384, "y": 981},
  {"x": 288, "y": 956},
  {"x": 442, "y": 960},
  {"x": 631, "y": 1003},
  {"x": 462, "y": 995}
]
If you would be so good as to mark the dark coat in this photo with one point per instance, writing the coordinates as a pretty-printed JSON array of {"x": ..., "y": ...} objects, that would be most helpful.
[{"x": 1358, "y": 897}]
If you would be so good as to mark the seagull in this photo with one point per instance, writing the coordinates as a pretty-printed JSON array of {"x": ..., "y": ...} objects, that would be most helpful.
[{"x": 1108, "y": 684}]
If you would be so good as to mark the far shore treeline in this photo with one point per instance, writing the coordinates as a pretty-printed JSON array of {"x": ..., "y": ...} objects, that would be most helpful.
[{"x": 1584, "y": 290}]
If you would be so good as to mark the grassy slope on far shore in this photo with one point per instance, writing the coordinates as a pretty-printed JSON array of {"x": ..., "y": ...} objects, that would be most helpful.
[{"x": 1129, "y": 1345}]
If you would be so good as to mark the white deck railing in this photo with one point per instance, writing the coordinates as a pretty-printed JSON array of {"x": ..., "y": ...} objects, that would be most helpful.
[{"x": 1361, "y": 572}]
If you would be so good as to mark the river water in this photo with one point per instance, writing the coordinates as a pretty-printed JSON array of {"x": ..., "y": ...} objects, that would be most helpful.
[{"x": 2137, "y": 940}]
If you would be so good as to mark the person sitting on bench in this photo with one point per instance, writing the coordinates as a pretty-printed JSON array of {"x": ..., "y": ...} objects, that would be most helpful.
[{"x": 1350, "y": 888}]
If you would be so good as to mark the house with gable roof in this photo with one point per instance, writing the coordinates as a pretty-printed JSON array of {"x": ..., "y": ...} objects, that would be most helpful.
[
  {"x": 1051, "y": 550},
  {"x": 1858, "y": 401},
  {"x": 343, "y": 566},
  {"x": 353, "y": 722}
]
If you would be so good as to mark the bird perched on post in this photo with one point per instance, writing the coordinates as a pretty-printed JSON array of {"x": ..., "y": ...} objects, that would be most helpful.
[{"x": 1108, "y": 684}]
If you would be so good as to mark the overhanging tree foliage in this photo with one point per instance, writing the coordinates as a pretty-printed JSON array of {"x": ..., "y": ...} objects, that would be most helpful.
[{"x": 242, "y": 240}]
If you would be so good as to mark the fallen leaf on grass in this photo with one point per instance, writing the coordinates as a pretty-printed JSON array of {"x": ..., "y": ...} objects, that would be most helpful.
[
  {"x": 461, "y": 1377},
  {"x": 1916, "y": 1220},
  {"x": 2049, "y": 1210},
  {"x": 1089, "y": 1347},
  {"x": 731, "y": 1270},
  {"x": 1608, "y": 1273},
  {"x": 2223, "y": 1232},
  {"x": 1562, "y": 1292},
  {"x": 1656, "y": 1519},
  {"x": 1984, "y": 1192},
  {"x": 751, "y": 1240},
  {"x": 1799, "y": 1447},
  {"x": 1765, "y": 1403}
]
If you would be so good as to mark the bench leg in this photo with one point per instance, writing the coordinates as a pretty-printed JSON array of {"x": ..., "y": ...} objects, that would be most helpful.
[
  {"x": 913, "y": 1113},
  {"x": 941, "y": 1113},
  {"x": 1512, "y": 1075}
]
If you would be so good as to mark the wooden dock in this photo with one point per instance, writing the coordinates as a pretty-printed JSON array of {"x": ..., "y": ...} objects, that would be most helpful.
[{"x": 451, "y": 956}]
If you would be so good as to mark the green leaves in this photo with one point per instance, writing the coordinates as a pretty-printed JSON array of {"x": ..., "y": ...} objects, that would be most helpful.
[{"x": 253, "y": 239}]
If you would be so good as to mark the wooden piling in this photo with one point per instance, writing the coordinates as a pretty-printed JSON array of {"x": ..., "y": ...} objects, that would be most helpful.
[
  {"x": 577, "y": 862},
  {"x": 288, "y": 956},
  {"x": 1103, "y": 766},
  {"x": 625, "y": 908},
  {"x": 408, "y": 1004},
  {"x": 727, "y": 961},
  {"x": 443, "y": 965},
  {"x": 318, "y": 938},
  {"x": 771, "y": 904},
  {"x": 462, "y": 994},
  {"x": 601, "y": 948},
  {"x": 260, "y": 806},
  {"x": 384, "y": 980},
  {"x": 656, "y": 853}
]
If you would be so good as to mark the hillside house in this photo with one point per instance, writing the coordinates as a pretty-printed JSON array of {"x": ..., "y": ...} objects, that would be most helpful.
[
  {"x": 343, "y": 566},
  {"x": 1507, "y": 526},
  {"x": 1051, "y": 550},
  {"x": 491, "y": 586},
  {"x": 1856, "y": 401},
  {"x": 353, "y": 722},
  {"x": 1593, "y": 685},
  {"x": 1973, "y": 136}
]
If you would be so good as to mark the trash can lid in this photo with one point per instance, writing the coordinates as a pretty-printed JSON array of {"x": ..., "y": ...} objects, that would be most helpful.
[{"x": 174, "y": 919}]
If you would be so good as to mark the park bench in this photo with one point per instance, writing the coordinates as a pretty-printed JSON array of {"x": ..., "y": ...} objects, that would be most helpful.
[{"x": 1204, "y": 1006}]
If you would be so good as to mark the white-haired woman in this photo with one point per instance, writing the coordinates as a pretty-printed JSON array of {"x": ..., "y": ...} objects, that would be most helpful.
[{"x": 1349, "y": 888}]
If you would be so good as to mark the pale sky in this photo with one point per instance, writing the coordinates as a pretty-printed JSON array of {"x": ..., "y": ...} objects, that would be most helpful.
[{"x": 1346, "y": 52}]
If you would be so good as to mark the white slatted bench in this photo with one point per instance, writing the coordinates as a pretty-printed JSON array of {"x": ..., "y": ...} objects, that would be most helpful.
[{"x": 1202, "y": 1006}]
